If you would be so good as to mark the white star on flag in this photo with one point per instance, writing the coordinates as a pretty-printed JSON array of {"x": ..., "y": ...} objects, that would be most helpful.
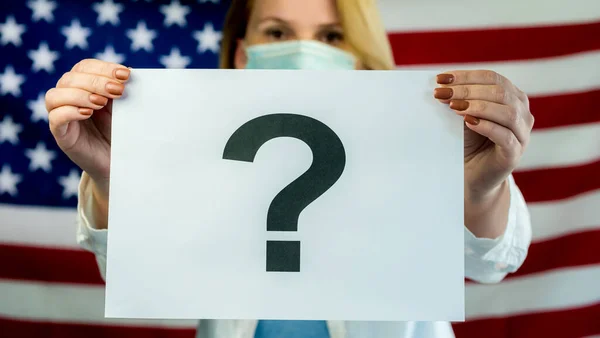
[
  {"x": 38, "y": 108},
  {"x": 175, "y": 59},
  {"x": 208, "y": 38},
  {"x": 108, "y": 11},
  {"x": 42, "y": 9},
  {"x": 109, "y": 55},
  {"x": 40, "y": 158},
  {"x": 10, "y": 82},
  {"x": 70, "y": 184},
  {"x": 141, "y": 37},
  {"x": 76, "y": 35},
  {"x": 175, "y": 13},
  {"x": 8, "y": 181},
  {"x": 11, "y": 31},
  {"x": 9, "y": 131},
  {"x": 43, "y": 58}
]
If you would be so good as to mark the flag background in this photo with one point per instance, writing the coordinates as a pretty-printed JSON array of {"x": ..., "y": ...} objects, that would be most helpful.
[{"x": 550, "y": 49}]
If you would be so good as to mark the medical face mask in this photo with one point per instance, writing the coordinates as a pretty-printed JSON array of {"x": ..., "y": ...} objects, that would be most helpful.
[{"x": 298, "y": 54}]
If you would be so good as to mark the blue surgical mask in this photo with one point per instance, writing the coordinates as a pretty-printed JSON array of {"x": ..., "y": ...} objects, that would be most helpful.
[{"x": 298, "y": 54}]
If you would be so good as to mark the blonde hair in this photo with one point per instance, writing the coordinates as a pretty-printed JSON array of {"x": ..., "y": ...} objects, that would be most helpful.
[{"x": 360, "y": 19}]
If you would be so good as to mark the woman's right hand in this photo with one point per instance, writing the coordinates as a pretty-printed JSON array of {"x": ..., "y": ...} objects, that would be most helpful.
[{"x": 80, "y": 111}]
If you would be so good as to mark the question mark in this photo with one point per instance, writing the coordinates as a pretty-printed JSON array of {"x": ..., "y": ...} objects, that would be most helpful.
[{"x": 329, "y": 160}]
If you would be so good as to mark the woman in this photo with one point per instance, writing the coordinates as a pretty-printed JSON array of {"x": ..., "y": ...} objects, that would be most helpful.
[{"x": 322, "y": 34}]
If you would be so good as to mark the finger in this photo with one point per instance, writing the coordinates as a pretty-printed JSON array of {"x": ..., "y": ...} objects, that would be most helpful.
[
  {"x": 107, "y": 69},
  {"x": 522, "y": 96},
  {"x": 500, "y": 135},
  {"x": 57, "y": 97},
  {"x": 59, "y": 118},
  {"x": 492, "y": 93},
  {"x": 92, "y": 83},
  {"x": 501, "y": 114},
  {"x": 481, "y": 77}
]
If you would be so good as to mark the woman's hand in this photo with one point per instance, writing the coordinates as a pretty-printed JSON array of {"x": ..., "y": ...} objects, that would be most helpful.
[
  {"x": 80, "y": 108},
  {"x": 498, "y": 126}
]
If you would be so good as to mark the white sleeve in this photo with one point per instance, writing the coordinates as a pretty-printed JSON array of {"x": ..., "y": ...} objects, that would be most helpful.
[
  {"x": 490, "y": 260},
  {"x": 486, "y": 260},
  {"x": 88, "y": 237}
]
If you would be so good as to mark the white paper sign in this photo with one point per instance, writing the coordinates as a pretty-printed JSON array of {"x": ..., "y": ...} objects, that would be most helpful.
[{"x": 200, "y": 164}]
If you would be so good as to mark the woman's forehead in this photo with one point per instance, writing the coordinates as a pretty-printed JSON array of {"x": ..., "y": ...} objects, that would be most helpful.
[{"x": 317, "y": 11}]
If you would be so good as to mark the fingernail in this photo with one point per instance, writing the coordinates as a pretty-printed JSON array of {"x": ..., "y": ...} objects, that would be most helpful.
[
  {"x": 445, "y": 78},
  {"x": 471, "y": 120},
  {"x": 115, "y": 88},
  {"x": 85, "y": 111},
  {"x": 443, "y": 93},
  {"x": 99, "y": 100},
  {"x": 122, "y": 73},
  {"x": 459, "y": 105}
]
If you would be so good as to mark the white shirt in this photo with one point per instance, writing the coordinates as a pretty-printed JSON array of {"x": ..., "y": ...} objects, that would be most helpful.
[{"x": 486, "y": 261}]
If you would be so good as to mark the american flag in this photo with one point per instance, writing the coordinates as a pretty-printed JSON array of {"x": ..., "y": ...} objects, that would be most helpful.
[{"x": 49, "y": 287}]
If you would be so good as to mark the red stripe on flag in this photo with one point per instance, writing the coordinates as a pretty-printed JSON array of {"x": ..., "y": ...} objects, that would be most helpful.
[
  {"x": 30, "y": 329},
  {"x": 48, "y": 265},
  {"x": 72, "y": 266},
  {"x": 485, "y": 45},
  {"x": 566, "y": 323},
  {"x": 577, "y": 249},
  {"x": 565, "y": 110},
  {"x": 558, "y": 183}
]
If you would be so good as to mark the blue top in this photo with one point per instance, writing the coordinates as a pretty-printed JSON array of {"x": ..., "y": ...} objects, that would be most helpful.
[{"x": 291, "y": 329}]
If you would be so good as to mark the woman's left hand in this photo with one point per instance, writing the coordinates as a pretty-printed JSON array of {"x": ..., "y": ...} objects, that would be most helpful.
[{"x": 497, "y": 129}]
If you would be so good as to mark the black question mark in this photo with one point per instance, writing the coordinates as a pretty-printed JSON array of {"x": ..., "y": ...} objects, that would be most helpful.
[{"x": 329, "y": 160}]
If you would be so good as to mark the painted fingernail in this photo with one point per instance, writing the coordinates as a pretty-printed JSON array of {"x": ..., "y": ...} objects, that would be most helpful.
[
  {"x": 99, "y": 100},
  {"x": 85, "y": 111},
  {"x": 115, "y": 88},
  {"x": 445, "y": 78},
  {"x": 443, "y": 93},
  {"x": 471, "y": 120},
  {"x": 122, "y": 73},
  {"x": 459, "y": 105}
]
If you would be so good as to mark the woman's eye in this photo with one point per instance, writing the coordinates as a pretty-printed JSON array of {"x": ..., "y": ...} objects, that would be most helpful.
[
  {"x": 275, "y": 33},
  {"x": 333, "y": 37}
]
